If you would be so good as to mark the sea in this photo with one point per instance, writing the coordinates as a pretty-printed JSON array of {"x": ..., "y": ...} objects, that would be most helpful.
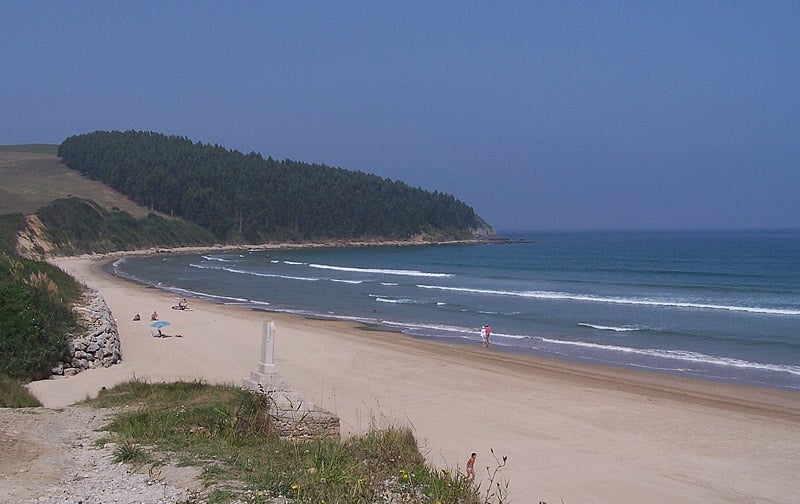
[{"x": 720, "y": 306}]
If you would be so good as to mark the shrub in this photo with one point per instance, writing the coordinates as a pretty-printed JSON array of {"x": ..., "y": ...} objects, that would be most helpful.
[{"x": 35, "y": 316}]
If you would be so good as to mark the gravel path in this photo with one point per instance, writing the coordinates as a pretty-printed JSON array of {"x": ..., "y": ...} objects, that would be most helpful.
[{"x": 49, "y": 456}]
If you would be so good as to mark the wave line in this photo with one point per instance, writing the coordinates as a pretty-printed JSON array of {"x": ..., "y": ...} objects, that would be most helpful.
[
  {"x": 379, "y": 271},
  {"x": 616, "y": 300}
]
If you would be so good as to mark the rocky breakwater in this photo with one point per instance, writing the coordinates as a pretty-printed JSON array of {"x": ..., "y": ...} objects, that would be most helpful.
[{"x": 97, "y": 345}]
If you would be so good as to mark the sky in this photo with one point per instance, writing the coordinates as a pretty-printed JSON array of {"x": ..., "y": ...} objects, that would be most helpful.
[{"x": 559, "y": 115}]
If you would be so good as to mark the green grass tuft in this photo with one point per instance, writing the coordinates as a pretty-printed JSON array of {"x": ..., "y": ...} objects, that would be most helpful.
[
  {"x": 14, "y": 395},
  {"x": 130, "y": 453}
]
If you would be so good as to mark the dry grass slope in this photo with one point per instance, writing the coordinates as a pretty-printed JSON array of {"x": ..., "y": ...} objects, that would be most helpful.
[{"x": 33, "y": 177}]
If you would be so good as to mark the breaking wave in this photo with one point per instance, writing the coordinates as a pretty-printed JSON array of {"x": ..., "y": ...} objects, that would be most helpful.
[{"x": 550, "y": 295}]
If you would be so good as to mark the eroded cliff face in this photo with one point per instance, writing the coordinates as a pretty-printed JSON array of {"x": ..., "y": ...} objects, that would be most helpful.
[
  {"x": 32, "y": 241},
  {"x": 484, "y": 230}
]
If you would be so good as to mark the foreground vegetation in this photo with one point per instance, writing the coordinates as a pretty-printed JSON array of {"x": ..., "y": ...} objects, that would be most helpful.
[
  {"x": 35, "y": 317},
  {"x": 14, "y": 395},
  {"x": 230, "y": 433},
  {"x": 35, "y": 313}
]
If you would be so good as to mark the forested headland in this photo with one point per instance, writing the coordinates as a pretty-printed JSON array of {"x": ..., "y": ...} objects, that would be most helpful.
[
  {"x": 197, "y": 195},
  {"x": 244, "y": 197}
]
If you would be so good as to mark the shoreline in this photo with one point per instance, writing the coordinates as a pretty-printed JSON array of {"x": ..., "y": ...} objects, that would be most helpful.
[
  {"x": 702, "y": 365},
  {"x": 724, "y": 394},
  {"x": 153, "y": 251},
  {"x": 576, "y": 432}
]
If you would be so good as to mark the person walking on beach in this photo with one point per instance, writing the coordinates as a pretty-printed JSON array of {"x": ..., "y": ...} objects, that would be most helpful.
[
  {"x": 471, "y": 467},
  {"x": 484, "y": 337}
]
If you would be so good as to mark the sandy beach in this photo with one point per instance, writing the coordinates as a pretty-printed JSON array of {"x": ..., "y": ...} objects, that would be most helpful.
[{"x": 572, "y": 433}]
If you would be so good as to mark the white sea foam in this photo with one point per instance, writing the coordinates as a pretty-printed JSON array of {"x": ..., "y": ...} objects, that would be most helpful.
[
  {"x": 293, "y": 263},
  {"x": 207, "y": 295},
  {"x": 432, "y": 327},
  {"x": 551, "y": 295},
  {"x": 389, "y": 284},
  {"x": 396, "y": 301},
  {"x": 682, "y": 355},
  {"x": 496, "y": 334},
  {"x": 379, "y": 271},
  {"x": 611, "y": 328},
  {"x": 212, "y": 258},
  {"x": 339, "y": 280},
  {"x": 254, "y": 273}
]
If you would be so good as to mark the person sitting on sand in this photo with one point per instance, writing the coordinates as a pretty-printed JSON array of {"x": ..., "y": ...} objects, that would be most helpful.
[
  {"x": 137, "y": 317},
  {"x": 471, "y": 467},
  {"x": 181, "y": 305},
  {"x": 154, "y": 316}
]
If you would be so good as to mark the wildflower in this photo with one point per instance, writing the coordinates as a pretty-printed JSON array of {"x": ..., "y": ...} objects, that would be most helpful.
[{"x": 295, "y": 487}]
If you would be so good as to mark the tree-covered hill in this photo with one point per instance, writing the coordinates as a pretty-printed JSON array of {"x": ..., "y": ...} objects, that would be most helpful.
[{"x": 246, "y": 197}]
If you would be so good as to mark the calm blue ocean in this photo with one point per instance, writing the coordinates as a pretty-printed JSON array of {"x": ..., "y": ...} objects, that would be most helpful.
[{"x": 719, "y": 306}]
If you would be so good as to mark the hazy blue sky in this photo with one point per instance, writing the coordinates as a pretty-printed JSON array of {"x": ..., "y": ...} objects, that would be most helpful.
[{"x": 541, "y": 115}]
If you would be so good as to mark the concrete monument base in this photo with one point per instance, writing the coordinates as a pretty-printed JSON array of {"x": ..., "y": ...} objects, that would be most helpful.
[{"x": 294, "y": 416}]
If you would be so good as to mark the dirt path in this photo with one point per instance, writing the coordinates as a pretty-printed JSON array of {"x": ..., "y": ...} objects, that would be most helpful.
[{"x": 51, "y": 455}]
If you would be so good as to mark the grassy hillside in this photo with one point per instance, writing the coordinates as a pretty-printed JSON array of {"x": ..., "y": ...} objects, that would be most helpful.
[
  {"x": 76, "y": 226},
  {"x": 36, "y": 181},
  {"x": 33, "y": 176},
  {"x": 32, "y": 148}
]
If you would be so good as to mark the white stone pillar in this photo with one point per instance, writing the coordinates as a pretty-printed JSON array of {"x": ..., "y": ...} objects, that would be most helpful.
[
  {"x": 267, "y": 377},
  {"x": 267, "y": 363}
]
